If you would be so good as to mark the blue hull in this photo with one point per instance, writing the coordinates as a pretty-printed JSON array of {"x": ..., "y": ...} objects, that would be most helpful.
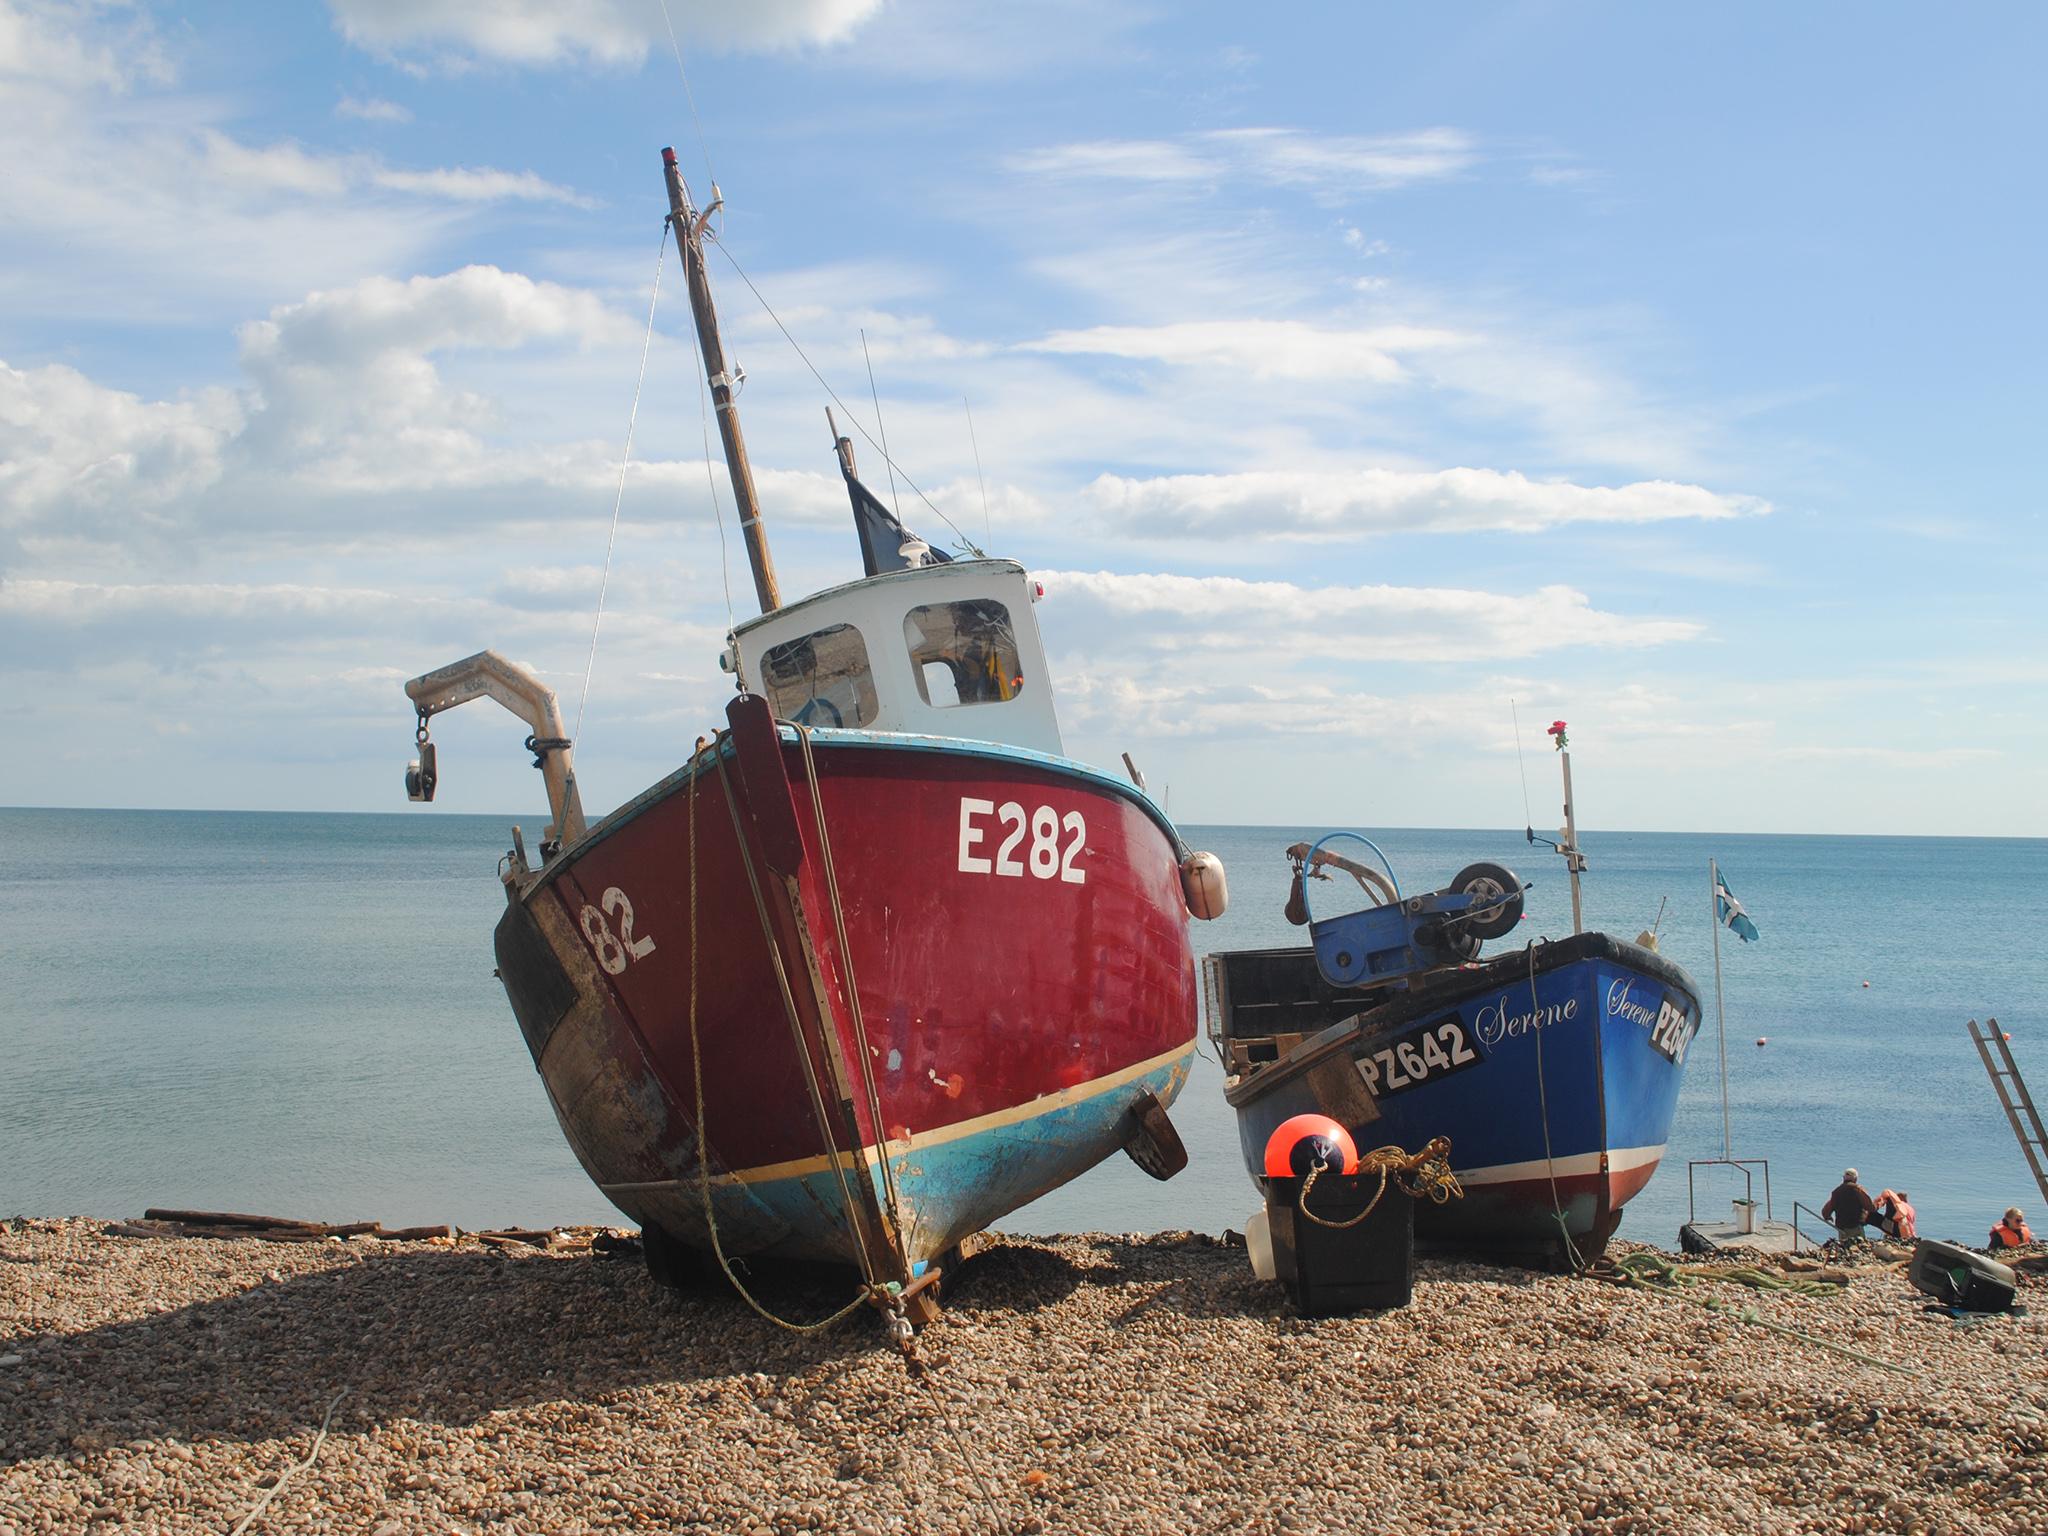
[{"x": 1553, "y": 1071}]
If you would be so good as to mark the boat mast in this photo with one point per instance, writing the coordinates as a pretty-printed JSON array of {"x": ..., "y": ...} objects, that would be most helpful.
[
  {"x": 688, "y": 224},
  {"x": 1720, "y": 1014},
  {"x": 1574, "y": 861}
]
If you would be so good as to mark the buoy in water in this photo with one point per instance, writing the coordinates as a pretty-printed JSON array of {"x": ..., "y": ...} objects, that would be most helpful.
[
  {"x": 1762, "y": 1039},
  {"x": 2007, "y": 1037},
  {"x": 1866, "y": 983},
  {"x": 1298, "y": 1144}
]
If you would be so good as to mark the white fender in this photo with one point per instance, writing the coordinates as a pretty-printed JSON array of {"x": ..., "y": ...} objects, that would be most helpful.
[{"x": 1203, "y": 884}]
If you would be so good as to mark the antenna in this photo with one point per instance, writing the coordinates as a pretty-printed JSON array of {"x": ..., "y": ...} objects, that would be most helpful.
[
  {"x": 880, "y": 426},
  {"x": 985, "y": 531},
  {"x": 1528, "y": 816}
]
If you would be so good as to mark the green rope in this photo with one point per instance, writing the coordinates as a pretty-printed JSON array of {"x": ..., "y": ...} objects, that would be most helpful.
[{"x": 1658, "y": 1275}]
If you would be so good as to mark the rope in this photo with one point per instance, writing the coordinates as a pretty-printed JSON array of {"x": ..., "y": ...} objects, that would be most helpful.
[
  {"x": 1654, "y": 1269},
  {"x": 295, "y": 1468},
  {"x": 922, "y": 1374},
  {"x": 632, "y": 419},
  {"x": 894, "y": 467},
  {"x": 1633, "y": 1270},
  {"x": 1432, "y": 1179},
  {"x": 860, "y": 1028},
  {"x": 1573, "y": 1257},
  {"x": 697, "y": 1072},
  {"x": 803, "y": 1051}
]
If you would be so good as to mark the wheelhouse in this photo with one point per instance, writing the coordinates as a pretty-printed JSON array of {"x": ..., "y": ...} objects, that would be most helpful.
[{"x": 936, "y": 650}]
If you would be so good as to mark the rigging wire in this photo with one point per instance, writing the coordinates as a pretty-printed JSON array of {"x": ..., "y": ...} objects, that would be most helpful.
[
  {"x": 881, "y": 425},
  {"x": 980, "y": 480},
  {"x": 703, "y": 147},
  {"x": 1528, "y": 818},
  {"x": 823, "y": 384},
  {"x": 625, "y": 459}
]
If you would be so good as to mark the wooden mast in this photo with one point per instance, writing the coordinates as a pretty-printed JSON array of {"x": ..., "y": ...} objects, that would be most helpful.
[{"x": 689, "y": 228}]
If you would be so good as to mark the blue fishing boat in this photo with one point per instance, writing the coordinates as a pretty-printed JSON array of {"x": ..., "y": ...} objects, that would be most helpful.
[{"x": 1553, "y": 1068}]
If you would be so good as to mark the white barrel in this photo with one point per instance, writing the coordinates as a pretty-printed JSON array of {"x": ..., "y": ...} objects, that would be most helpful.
[{"x": 1203, "y": 885}]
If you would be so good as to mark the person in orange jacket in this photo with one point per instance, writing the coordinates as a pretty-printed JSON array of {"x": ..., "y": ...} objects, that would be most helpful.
[
  {"x": 1895, "y": 1215},
  {"x": 2013, "y": 1231}
]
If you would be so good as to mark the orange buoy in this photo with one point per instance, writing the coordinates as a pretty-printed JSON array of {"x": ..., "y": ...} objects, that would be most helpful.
[
  {"x": 1298, "y": 1144},
  {"x": 1762, "y": 1039},
  {"x": 2007, "y": 1036}
]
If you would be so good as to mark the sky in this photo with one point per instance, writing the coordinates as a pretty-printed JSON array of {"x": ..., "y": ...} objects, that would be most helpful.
[{"x": 1369, "y": 386}]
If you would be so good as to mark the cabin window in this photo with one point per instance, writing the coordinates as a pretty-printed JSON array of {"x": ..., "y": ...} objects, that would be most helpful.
[
  {"x": 963, "y": 653},
  {"x": 822, "y": 679}
]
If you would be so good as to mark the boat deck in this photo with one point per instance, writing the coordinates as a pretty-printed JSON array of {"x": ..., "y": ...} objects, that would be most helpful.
[{"x": 1726, "y": 1237}]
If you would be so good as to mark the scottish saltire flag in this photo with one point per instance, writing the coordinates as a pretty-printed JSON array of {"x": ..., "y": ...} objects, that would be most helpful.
[{"x": 1731, "y": 913}]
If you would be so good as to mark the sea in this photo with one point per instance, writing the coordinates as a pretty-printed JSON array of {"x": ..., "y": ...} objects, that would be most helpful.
[{"x": 295, "y": 1014}]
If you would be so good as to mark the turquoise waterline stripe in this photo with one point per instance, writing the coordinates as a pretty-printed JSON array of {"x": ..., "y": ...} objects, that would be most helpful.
[{"x": 950, "y": 1189}]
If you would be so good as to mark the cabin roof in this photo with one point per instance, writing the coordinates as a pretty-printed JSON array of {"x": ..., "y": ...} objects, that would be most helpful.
[{"x": 951, "y": 570}]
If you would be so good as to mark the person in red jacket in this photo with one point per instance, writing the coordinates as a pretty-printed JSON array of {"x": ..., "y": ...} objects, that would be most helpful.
[
  {"x": 2012, "y": 1232},
  {"x": 1849, "y": 1208}
]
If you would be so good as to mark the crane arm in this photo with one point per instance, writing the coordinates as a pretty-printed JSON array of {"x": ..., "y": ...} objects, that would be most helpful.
[{"x": 489, "y": 675}]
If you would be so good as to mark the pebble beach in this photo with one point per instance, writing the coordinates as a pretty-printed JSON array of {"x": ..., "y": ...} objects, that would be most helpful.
[{"x": 1091, "y": 1383}]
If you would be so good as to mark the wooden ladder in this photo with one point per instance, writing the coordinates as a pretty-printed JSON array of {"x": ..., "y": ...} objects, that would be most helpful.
[{"x": 2013, "y": 1098}]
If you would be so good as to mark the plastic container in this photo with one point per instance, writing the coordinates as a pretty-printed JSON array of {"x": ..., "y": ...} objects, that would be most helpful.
[
  {"x": 1258, "y": 1242},
  {"x": 1745, "y": 1217}
]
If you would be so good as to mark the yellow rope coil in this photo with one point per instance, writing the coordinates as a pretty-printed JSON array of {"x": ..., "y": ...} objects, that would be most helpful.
[{"x": 1419, "y": 1175}]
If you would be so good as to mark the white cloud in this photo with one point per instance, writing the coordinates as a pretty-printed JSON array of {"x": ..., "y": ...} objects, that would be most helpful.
[
  {"x": 372, "y": 109},
  {"x": 1356, "y": 503},
  {"x": 1228, "y": 616},
  {"x": 350, "y": 396},
  {"x": 1891, "y": 757},
  {"x": 48, "y": 45},
  {"x": 68, "y": 444},
  {"x": 1265, "y": 349},
  {"x": 1331, "y": 166},
  {"x": 462, "y": 184},
  {"x": 606, "y": 33},
  {"x": 86, "y": 87},
  {"x": 1150, "y": 160},
  {"x": 1341, "y": 164}
]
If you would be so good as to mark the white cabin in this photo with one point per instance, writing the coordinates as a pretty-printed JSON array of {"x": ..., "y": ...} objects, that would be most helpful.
[{"x": 937, "y": 650}]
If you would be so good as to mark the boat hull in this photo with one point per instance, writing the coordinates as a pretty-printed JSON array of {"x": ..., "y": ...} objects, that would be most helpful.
[
  {"x": 966, "y": 1026},
  {"x": 1553, "y": 1071}
]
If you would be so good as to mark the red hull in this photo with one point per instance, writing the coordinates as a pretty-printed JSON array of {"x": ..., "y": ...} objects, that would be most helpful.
[{"x": 982, "y": 993}]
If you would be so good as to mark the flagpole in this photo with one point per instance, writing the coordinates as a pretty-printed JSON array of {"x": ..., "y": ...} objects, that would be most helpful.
[{"x": 1720, "y": 1014}]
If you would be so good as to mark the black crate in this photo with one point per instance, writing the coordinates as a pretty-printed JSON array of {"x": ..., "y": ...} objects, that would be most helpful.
[{"x": 1336, "y": 1269}]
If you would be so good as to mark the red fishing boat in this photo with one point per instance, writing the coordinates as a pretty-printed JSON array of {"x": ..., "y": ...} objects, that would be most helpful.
[{"x": 878, "y": 964}]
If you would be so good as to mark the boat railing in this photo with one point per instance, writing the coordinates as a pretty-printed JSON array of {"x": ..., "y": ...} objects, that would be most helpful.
[
  {"x": 1748, "y": 1167},
  {"x": 1799, "y": 1235}
]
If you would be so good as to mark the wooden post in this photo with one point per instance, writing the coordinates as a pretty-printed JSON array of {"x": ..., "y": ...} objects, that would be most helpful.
[{"x": 690, "y": 242}]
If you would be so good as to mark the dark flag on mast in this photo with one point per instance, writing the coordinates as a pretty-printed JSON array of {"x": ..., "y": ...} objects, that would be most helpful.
[{"x": 885, "y": 544}]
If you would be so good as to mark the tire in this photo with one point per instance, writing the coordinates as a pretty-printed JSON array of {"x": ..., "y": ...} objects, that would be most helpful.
[{"x": 1498, "y": 895}]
